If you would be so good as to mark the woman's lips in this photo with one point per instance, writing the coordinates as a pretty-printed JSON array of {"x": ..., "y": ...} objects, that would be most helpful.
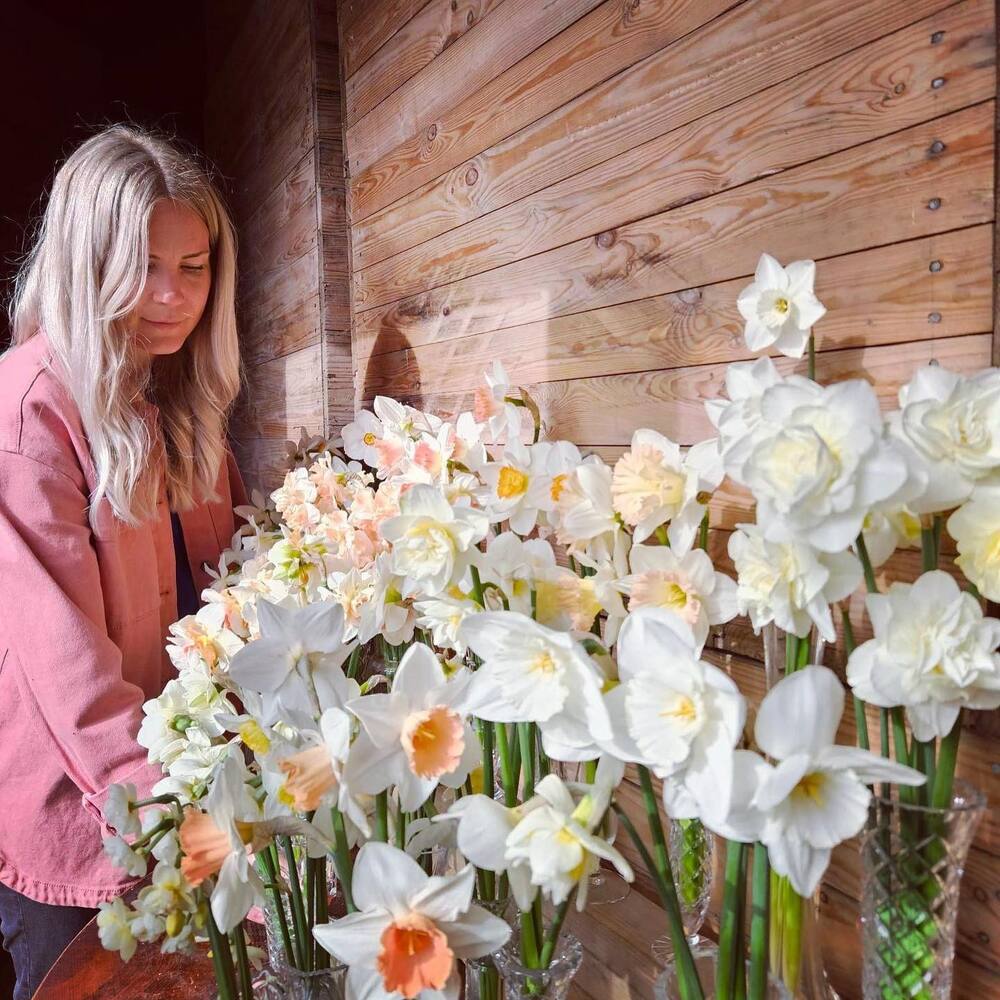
[{"x": 164, "y": 323}]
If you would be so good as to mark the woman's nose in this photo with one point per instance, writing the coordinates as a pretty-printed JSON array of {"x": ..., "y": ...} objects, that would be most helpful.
[{"x": 166, "y": 290}]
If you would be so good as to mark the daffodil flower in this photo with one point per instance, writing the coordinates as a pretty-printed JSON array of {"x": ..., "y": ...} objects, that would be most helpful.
[
  {"x": 675, "y": 713},
  {"x": 410, "y": 931},
  {"x": 416, "y": 737},
  {"x": 531, "y": 673},
  {"x": 816, "y": 794},
  {"x": 780, "y": 307},
  {"x": 296, "y": 661}
]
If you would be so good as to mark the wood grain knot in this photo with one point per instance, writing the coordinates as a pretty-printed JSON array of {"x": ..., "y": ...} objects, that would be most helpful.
[
  {"x": 934, "y": 317},
  {"x": 935, "y": 266},
  {"x": 899, "y": 88},
  {"x": 936, "y": 37},
  {"x": 454, "y": 4},
  {"x": 934, "y": 204},
  {"x": 470, "y": 18},
  {"x": 937, "y": 147},
  {"x": 432, "y": 131},
  {"x": 446, "y": 311},
  {"x": 606, "y": 240},
  {"x": 938, "y": 82},
  {"x": 690, "y": 296},
  {"x": 471, "y": 176}
]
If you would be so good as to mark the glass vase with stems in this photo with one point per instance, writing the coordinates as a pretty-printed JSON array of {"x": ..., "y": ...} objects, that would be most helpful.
[
  {"x": 692, "y": 855},
  {"x": 794, "y": 946},
  {"x": 301, "y": 892},
  {"x": 913, "y": 857}
]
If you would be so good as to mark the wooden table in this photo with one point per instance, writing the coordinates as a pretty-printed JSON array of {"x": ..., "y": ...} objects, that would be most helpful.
[{"x": 617, "y": 965}]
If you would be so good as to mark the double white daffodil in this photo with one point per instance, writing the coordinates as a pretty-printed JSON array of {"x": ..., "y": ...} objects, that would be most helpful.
[
  {"x": 531, "y": 673},
  {"x": 933, "y": 652},
  {"x": 431, "y": 540}
]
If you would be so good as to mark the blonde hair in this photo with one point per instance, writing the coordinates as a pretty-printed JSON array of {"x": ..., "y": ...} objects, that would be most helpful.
[{"x": 83, "y": 276}]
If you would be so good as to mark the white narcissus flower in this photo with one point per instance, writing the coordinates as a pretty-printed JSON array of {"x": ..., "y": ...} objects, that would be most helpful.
[
  {"x": 295, "y": 663},
  {"x": 203, "y": 640},
  {"x": 118, "y": 810},
  {"x": 780, "y": 307},
  {"x": 652, "y": 485},
  {"x": 416, "y": 737},
  {"x": 361, "y": 436},
  {"x": 410, "y": 931},
  {"x": 559, "y": 843},
  {"x": 675, "y": 713},
  {"x": 887, "y": 528},
  {"x": 443, "y": 616},
  {"x": 114, "y": 927},
  {"x": 975, "y": 526},
  {"x": 687, "y": 585},
  {"x": 431, "y": 540},
  {"x": 820, "y": 461},
  {"x": 790, "y": 583},
  {"x": 584, "y": 506},
  {"x": 521, "y": 484},
  {"x": 952, "y": 423},
  {"x": 531, "y": 673},
  {"x": 933, "y": 653},
  {"x": 122, "y": 856},
  {"x": 491, "y": 407},
  {"x": 816, "y": 795},
  {"x": 314, "y": 776}
]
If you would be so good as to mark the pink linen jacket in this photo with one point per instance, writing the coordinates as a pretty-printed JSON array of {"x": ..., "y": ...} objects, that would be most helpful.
[{"x": 83, "y": 623}]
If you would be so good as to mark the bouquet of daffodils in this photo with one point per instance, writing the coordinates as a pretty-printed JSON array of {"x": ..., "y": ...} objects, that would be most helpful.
[{"x": 431, "y": 623}]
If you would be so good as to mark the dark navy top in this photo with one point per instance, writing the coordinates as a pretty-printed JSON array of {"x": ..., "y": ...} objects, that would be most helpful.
[{"x": 187, "y": 595}]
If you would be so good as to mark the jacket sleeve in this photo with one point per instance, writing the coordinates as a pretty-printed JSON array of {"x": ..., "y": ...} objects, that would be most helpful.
[{"x": 69, "y": 670}]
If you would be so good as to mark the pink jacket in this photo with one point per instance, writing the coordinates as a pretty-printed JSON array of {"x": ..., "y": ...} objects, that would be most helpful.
[{"x": 83, "y": 622}]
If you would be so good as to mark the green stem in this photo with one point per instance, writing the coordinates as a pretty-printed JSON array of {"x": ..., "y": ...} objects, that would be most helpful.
[
  {"x": 486, "y": 741},
  {"x": 529, "y": 939},
  {"x": 506, "y": 765},
  {"x": 759, "y": 923},
  {"x": 549, "y": 947},
  {"x": 382, "y": 817},
  {"x": 222, "y": 959},
  {"x": 342, "y": 858},
  {"x": 322, "y": 910},
  {"x": 687, "y": 975},
  {"x": 944, "y": 776},
  {"x": 866, "y": 563},
  {"x": 526, "y": 739},
  {"x": 729, "y": 952},
  {"x": 860, "y": 719},
  {"x": 906, "y": 792},
  {"x": 477, "y": 587},
  {"x": 703, "y": 533},
  {"x": 298, "y": 910},
  {"x": 812, "y": 357},
  {"x": 239, "y": 944},
  {"x": 352, "y": 663},
  {"x": 267, "y": 863}
]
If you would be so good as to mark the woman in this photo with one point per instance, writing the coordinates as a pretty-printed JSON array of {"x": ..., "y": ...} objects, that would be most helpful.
[{"x": 113, "y": 408}]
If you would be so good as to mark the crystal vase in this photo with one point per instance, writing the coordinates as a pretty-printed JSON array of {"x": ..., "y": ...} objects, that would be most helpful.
[
  {"x": 482, "y": 980},
  {"x": 692, "y": 860},
  {"x": 283, "y": 949},
  {"x": 553, "y": 983},
  {"x": 913, "y": 858},
  {"x": 667, "y": 986},
  {"x": 287, "y": 983},
  {"x": 796, "y": 954}
]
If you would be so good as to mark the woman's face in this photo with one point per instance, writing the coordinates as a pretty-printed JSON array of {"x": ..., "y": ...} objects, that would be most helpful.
[{"x": 178, "y": 280}]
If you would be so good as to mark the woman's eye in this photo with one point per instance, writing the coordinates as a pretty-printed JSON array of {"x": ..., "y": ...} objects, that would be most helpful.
[{"x": 195, "y": 268}]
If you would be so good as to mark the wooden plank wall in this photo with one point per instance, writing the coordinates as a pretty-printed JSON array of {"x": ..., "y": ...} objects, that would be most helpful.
[
  {"x": 273, "y": 126},
  {"x": 580, "y": 189}
]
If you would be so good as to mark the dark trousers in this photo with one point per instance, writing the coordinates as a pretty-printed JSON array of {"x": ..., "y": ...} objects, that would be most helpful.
[{"x": 34, "y": 935}]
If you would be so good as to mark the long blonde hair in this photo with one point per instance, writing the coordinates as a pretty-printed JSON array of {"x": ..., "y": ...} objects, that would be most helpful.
[{"x": 85, "y": 273}]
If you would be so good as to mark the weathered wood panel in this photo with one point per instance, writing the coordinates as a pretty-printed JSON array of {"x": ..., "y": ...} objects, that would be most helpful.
[
  {"x": 421, "y": 40},
  {"x": 883, "y": 296},
  {"x": 870, "y": 92},
  {"x": 368, "y": 26},
  {"x": 273, "y": 124},
  {"x": 473, "y": 62},
  {"x": 881, "y": 192}
]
